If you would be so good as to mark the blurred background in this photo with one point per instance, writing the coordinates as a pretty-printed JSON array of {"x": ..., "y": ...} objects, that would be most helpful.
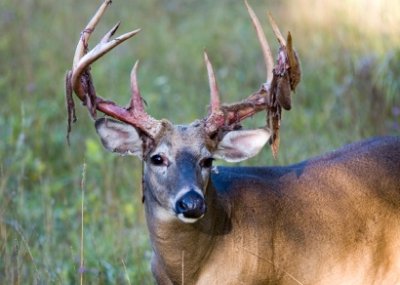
[{"x": 350, "y": 54}]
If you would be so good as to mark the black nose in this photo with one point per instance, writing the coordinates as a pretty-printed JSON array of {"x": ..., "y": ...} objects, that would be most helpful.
[{"x": 191, "y": 205}]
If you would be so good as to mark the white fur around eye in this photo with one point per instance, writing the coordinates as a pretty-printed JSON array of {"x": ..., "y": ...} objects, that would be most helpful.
[{"x": 164, "y": 151}]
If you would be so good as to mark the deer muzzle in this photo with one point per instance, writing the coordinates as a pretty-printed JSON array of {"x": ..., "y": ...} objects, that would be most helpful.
[{"x": 190, "y": 207}]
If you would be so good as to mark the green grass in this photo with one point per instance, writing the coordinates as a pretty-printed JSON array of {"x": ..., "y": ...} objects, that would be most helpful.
[{"x": 350, "y": 90}]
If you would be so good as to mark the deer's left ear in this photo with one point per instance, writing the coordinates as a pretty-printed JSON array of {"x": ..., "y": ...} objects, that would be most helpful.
[{"x": 242, "y": 144}]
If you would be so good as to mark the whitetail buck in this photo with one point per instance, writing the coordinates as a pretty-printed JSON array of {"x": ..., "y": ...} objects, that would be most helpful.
[{"x": 334, "y": 219}]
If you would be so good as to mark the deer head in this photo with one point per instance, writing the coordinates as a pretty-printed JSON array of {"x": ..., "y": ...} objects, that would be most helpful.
[{"x": 178, "y": 158}]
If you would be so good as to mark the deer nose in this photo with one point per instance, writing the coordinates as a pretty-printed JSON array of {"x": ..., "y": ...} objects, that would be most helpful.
[{"x": 191, "y": 205}]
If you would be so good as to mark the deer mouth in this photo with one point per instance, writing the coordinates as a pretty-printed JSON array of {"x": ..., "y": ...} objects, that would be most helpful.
[{"x": 186, "y": 220}]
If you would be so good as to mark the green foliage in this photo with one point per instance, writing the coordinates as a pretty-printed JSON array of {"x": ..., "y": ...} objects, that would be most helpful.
[{"x": 350, "y": 90}]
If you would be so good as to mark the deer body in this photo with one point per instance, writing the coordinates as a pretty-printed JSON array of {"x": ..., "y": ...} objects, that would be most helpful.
[
  {"x": 334, "y": 219},
  {"x": 323, "y": 221}
]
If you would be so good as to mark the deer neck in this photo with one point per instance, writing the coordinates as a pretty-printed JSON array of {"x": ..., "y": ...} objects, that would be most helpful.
[{"x": 182, "y": 247}]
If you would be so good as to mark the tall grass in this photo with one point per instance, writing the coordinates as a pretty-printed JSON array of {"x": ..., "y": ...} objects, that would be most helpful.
[{"x": 350, "y": 59}]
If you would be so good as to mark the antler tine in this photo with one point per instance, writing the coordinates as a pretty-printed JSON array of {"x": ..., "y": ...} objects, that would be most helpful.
[
  {"x": 268, "y": 60},
  {"x": 214, "y": 92},
  {"x": 136, "y": 104},
  {"x": 110, "y": 33},
  {"x": 276, "y": 30},
  {"x": 216, "y": 117},
  {"x": 79, "y": 80}
]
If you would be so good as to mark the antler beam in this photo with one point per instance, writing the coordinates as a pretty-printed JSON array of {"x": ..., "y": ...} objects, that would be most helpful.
[
  {"x": 273, "y": 95},
  {"x": 79, "y": 80}
]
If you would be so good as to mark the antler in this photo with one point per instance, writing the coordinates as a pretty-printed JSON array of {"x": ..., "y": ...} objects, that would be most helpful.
[
  {"x": 79, "y": 80},
  {"x": 271, "y": 97}
]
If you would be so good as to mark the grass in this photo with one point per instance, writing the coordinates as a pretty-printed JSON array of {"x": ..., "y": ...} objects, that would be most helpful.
[{"x": 350, "y": 60}]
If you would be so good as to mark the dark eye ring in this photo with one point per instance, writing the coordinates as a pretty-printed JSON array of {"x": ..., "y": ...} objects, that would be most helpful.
[
  {"x": 158, "y": 160},
  {"x": 207, "y": 162}
]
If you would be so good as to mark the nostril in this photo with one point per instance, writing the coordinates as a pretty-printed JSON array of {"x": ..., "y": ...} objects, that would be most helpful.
[
  {"x": 181, "y": 206},
  {"x": 186, "y": 203}
]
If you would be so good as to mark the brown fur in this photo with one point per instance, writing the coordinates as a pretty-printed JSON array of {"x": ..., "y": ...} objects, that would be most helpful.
[{"x": 334, "y": 219}]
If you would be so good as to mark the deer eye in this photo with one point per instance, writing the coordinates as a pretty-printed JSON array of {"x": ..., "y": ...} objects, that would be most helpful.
[
  {"x": 158, "y": 160},
  {"x": 207, "y": 162}
]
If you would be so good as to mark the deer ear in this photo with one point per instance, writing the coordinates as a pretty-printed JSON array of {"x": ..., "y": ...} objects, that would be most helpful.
[
  {"x": 119, "y": 137},
  {"x": 242, "y": 144}
]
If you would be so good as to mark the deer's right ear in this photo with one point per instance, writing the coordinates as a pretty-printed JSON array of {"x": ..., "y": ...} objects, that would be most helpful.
[
  {"x": 242, "y": 144},
  {"x": 119, "y": 137}
]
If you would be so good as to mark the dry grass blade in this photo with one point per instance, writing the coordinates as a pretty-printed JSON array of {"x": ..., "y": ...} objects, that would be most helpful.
[
  {"x": 82, "y": 264},
  {"x": 126, "y": 272}
]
